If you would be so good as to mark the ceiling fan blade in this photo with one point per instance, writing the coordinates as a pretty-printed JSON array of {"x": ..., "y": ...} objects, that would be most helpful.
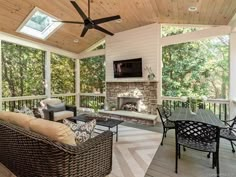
[
  {"x": 79, "y": 10},
  {"x": 84, "y": 32},
  {"x": 106, "y": 19},
  {"x": 99, "y": 28},
  {"x": 70, "y": 22}
]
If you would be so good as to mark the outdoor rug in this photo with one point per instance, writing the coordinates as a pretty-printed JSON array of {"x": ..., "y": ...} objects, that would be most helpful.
[{"x": 134, "y": 151}]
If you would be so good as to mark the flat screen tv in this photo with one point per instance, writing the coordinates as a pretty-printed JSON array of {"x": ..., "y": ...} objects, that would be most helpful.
[{"x": 128, "y": 68}]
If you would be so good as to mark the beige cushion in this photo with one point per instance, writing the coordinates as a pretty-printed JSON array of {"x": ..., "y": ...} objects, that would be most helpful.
[
  {"x": 19, "y": 119},
  {"x": 62, "y": 115},
  {"x": 51, "y": 101},
  {"x": 4, "y": 115},
  {"x": 53, "y": 130}
]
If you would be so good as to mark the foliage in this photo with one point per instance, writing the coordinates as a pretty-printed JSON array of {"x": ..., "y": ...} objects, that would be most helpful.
[
  {"x": 62, "y": 74},
  {"x": 92, "y": 74},
  {"x": 22, "y": 70},
  {"x": 196, "y": 68},
  {"x": 95, "y": 105}
]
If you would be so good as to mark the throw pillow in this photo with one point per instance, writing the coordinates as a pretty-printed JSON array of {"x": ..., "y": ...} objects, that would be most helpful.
[
  {"x": 82, "y": 132},
  {"x": 57, "y": 107},
  {"x": 25, "y": 110},
  {"x": 37, "y": 113},
  {"x": 73, "y": 126}
]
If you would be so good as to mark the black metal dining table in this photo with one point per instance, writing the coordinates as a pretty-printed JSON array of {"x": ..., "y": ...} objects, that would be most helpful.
[{"x": 202, "y": 115}]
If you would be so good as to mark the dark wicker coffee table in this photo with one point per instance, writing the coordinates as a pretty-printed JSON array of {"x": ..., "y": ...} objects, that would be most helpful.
[{"x": 105, "y": 122}]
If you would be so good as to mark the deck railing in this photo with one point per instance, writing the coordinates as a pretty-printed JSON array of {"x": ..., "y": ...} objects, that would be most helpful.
[
  {"x": 220, "y": 107},
  {"x": 11, "y": 103},
  {"x": 87, "y": 98},
  {"x": 68, "y": 99}
]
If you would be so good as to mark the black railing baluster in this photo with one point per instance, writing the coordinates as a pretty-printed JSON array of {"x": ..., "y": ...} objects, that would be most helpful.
[
  {"x": 225, "y": 112},
  {"x": 220, "y": 111},
  {"x": 214, "y": 108}
]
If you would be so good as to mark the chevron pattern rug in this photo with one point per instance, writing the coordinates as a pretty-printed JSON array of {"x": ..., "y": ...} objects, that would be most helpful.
[{"x": 134, "y": 151}]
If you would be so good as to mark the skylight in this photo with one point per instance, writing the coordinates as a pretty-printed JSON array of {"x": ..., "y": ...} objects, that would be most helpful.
[{"x": 39, "y": 24}]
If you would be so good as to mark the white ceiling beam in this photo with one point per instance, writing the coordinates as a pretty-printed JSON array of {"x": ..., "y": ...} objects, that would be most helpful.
[
  {"x": 232, "y": 23},
  {"x": 91, "y": 54},
  {"x": 28, "y": 43},
  {"x": 196, "y": 35}
]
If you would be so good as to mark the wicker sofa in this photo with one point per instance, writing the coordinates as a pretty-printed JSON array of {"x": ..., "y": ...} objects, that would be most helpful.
[{"x": 28, "y": 154}]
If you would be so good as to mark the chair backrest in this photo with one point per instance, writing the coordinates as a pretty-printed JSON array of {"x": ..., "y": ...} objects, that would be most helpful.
[
  {"x": 197, "y": 131},
  {"x": 162, "y": 114},
  {"x": 51, "y": 101},
  {"x": 233, "y": 123}
]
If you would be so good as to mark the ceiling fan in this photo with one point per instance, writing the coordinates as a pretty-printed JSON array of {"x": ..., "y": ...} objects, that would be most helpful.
[{"x": 89, "y": 23}]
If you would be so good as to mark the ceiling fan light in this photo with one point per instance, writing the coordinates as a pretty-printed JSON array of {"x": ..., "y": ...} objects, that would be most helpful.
[
  {"x": 119, "y": 21},
  {"x": 192, "y": 9},
  {"x": 76, "y": 40}
]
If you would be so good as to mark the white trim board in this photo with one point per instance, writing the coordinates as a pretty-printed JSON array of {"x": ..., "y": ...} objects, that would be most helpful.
[
  {"x": 28, "y": 43},
  {"x": 196, "y": 35},
  {"x": 96, "y": 44},
  {"x": 92, "y": 54}
]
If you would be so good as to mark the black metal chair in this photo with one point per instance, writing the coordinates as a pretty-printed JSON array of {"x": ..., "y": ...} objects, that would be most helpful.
[
  {"x": 199, "y": 136},
  {"x": 167, "y": 124},
  {"x": 230, "y": 132}
]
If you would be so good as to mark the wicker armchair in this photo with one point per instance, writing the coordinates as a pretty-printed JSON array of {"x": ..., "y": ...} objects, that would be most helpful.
[
  {"x": 199, "y": 136},
  {"x": 167, "y": 125},
  {"x": 28, "y": 154}
]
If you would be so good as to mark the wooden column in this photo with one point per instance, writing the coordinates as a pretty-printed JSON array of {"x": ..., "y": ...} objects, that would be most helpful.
[
  {"x": 48, "y": 74},
  {"x": 232, "y": 79},
  {"x": 159, "y": 66},
  {"x": 0, "y": 75},
  {"x": 77, "y": 82}
]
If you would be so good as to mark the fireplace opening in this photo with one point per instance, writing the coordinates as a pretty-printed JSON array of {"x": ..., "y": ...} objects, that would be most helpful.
[{"x": 130, "y": 106}]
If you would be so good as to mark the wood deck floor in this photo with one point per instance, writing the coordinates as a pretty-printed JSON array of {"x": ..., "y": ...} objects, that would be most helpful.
[{"x": 192, "y": 163}]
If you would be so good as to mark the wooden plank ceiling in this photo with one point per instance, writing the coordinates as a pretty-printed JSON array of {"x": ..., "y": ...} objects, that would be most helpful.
[{"x": 134, "y": 13}]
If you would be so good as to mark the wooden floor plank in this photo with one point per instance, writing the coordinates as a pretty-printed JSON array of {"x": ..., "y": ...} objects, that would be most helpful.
[{"x": 192, "y": 163}]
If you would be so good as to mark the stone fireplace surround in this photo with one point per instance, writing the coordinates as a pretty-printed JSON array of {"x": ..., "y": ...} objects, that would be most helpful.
[{"x": 145, "y": 91}]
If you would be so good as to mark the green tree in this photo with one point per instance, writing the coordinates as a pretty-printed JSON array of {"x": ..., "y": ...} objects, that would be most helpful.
[
  {"x": 62, "y": 74},
  {"x": 92, "y": 74},
  {"x": 22, "y": 70},
  {"x": 196, "y": 68}
]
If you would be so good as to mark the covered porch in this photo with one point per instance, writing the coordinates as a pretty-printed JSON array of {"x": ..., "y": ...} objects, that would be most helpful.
[{"x": 80, "y": 72}]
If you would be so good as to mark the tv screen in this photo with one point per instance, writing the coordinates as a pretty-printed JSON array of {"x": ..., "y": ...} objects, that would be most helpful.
[{"x": 128, "y": 68}]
